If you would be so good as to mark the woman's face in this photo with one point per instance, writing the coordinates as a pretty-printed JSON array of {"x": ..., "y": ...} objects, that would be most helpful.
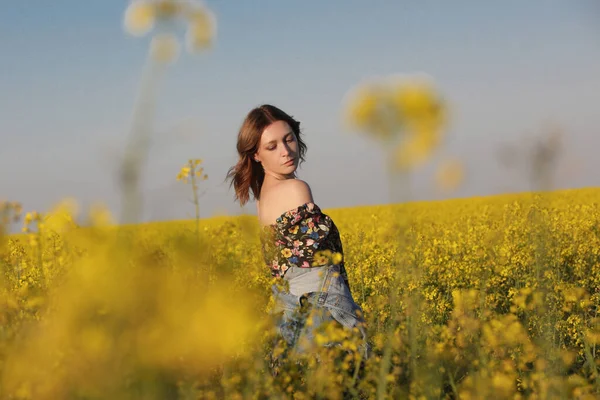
[{"x": 278, "y": 149}]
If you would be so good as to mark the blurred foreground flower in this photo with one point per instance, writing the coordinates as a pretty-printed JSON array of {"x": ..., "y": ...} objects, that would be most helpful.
[
  {"x": 122, "y": 323},
  {"x": 31, "y": 217},
  {"x": 100, "y": 216},
  {"x": 10, "y": 212},
  {"x": 62, "y": 217},
  {"x": 405, "y": 108}
]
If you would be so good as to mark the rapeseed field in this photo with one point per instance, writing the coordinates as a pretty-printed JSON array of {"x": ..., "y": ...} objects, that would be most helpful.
[{"x": 492, "y": 297}]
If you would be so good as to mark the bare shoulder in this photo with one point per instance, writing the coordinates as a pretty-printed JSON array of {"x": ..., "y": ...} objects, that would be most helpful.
[
  {"x": 282, "y": 197},
  {"x": 296, "y": 192}
]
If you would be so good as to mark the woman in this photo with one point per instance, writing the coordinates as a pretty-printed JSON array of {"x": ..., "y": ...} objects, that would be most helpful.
[{"x": 301, "y": 245}]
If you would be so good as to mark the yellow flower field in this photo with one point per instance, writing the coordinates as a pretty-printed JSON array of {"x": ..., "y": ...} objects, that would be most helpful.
[{"x": 491, "y": 297}]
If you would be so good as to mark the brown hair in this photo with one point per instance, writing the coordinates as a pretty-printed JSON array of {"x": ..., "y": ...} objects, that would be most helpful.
[{"x": 248, "y": 174}]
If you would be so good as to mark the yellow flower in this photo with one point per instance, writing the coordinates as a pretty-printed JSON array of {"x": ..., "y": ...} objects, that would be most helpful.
[
  {"x": 450, "y": 174},
  {"x": 28, "y": 218},
  {"x": 574, "y": 294},
  {"x": 337, "y": 258},
  {"x": 185, "y": 170},
  {"x": 201, "y": 29},
  {"x": 167, "y": 8},
  {"x": 368, "y": 110},
  {"x": 286, "y": 253},
  {"x": 100, "y": 216},
  {"x": 139, "y": 17},
  {"x": 189, "y": 170},
  {"x": 363, "y": 107},
  {"x": 62, "y": 216},
  {"x": 17, "y": 207},
  {"x": 417, "y": 101},
  {"x": 325, "y": 253},
  {"x": 568, "y": 357},
  {"x": 142, "y": 15},
  {"x": 319, "y": 259},
  {"x": 417, "y": 148},
  {"x": 164, "y": 48},
  {"x": 503, "y": 383},
  {"x": 407, "y": 108}
]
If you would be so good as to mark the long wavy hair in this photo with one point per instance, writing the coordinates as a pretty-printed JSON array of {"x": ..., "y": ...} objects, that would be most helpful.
[{"x": 248, "y": 174}]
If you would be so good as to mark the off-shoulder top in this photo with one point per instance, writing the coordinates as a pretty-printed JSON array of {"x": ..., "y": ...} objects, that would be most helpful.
[{"x": 302, "y": 237}]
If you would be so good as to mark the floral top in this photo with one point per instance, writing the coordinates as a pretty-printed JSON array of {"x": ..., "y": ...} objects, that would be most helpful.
[{"x": 302, "y": 237}]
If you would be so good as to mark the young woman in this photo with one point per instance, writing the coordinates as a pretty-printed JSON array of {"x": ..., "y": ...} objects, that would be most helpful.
[{"x": 301, "y": 245}]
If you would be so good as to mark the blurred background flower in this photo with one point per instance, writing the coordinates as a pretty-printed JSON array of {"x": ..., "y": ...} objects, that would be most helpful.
[
  {"x": 141, "y": 16},
  {"x": 450, "y": 174},
  {"x": 405, "y": 113},
  {"x": 164, "y": 47}
]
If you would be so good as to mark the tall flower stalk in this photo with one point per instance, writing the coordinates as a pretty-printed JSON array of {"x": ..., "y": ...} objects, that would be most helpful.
[
  {"x": 162, "y": 18},
  {"x": 192, "y": 173},
  {"x": 407, "y": 117}
]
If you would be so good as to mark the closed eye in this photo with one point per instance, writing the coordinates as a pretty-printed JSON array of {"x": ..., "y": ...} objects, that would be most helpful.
[{"x": 289, "y": 138}]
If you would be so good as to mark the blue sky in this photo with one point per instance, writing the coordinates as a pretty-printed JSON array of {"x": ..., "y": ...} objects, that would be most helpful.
[{"x": 508, "y": 69}]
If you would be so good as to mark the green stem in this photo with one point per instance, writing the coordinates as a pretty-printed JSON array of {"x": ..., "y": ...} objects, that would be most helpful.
[
  {"x": 138, "y": 145},
  {"x": 385, "y": 365},
  {"x": 453, "y": 384},
  {"x": 196, "y": 203}
]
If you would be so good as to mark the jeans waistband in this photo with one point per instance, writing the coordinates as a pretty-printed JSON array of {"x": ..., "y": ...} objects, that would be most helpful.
[{"x": 330, "y": 288}]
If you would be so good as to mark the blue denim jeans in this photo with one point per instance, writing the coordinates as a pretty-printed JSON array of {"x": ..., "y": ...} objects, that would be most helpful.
[{"x": 321, "y": 294}]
